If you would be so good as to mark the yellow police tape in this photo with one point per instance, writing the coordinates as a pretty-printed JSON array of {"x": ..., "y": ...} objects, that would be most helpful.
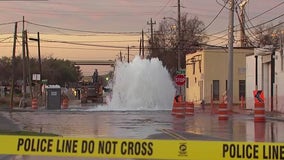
[{"x": 138, "y": 148}]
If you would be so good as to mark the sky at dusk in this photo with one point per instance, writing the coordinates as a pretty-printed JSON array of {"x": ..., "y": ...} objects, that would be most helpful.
[{"x": 115, "y": 23}]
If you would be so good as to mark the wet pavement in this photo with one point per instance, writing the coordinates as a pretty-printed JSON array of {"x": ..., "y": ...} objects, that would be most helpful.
[
  {"x": 203, "y": 125},
  {"x": 94, "y": 122}
]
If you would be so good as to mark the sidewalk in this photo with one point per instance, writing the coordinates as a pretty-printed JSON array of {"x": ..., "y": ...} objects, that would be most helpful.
[
  {"x": 6, "y": 124},
  {"x": 277, "y": 116},
  {"x": 268, "y": 115}
]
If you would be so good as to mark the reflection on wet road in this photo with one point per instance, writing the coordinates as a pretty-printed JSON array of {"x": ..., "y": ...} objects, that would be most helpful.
[
  {"x": 94, "y": 124},
  {"x": 142, "y": 124}
]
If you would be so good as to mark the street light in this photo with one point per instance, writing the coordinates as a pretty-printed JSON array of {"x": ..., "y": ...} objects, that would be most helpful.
[
  {"x": 178, "y": 39},
  {"x": 181, "y": 91},
  {"x": 128, "y": 53},
  {"x": 128, "y": 48}
]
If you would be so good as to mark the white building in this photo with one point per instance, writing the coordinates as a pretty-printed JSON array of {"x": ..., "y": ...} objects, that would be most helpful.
[{"x": 269, "y": 81}]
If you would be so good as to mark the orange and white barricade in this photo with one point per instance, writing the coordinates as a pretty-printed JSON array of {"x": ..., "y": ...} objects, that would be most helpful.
[
  {"x": 65, "y": 103},
  {"x": 178, "y": 109},
  {"x": 223, "y": 112},
  {"x": 189, "y": 108},
  {"x": 259, "y": 112},
  {"x": 34, "y": 103}
]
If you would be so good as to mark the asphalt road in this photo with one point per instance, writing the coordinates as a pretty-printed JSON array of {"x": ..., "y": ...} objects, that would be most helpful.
[{"x": 89, "y": 121}]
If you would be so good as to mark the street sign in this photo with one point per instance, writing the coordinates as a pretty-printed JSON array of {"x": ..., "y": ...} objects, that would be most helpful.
[
  {"x": 36, "y": 77},
  {"x": 182, "y": 71},
  {"x": 180, "y": 79},
  {"x": 258, "y": 96}
]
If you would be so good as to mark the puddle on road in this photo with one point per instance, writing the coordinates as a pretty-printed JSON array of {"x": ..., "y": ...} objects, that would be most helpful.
[{"x": 141, "y": 124}]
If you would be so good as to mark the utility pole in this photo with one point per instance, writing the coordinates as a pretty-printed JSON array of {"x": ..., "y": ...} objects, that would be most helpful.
[
  {"x": 281, "y": 49},
  {"x": 151, "y": 23},
  {"x": 39, "y": 58},
  {"x": 120, "y": 56},
  {"x": 181, "y": 90},
  {"x": 13, "y": 67},
  {"x": 272, "y": 77},
  {"x": 242, "y": 23},
  {"x": 28, "y": 64},
  {"x": 128, "y": 54},
  {"x": 143, "y": 44},
  {"x": 24, "y": 64},
  {"x": 140, "y": 47},
  {"x": 231, "y": 54},
  {"x": 179, "y": 37},
  {"x": 39, "y": 61}
]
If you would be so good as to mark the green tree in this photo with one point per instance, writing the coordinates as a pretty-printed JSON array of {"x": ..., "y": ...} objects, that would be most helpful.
[
  {"x": 165, "y": 41},
  {"x": 59, "y": 71},
  {"x": 56, "y": 71},
  {"x": 6, "y": 68}
]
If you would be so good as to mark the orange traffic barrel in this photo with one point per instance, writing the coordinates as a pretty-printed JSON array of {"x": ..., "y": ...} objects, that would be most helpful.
[
  {"x": 223, "y": 112},
  {"x": 34, "y": 103},
  {"x": 259, "y": 132},
  {"x": 178, "y": 109},
  {"x": 65, "y": 103},
  {"x": 259, "y": 112},
  {"x": 189, "y": 108}
]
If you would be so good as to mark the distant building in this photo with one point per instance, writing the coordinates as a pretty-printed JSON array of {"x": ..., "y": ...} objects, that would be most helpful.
[
  {"x": 270, "y": 78},
  {"x": 207, "y": 74}
]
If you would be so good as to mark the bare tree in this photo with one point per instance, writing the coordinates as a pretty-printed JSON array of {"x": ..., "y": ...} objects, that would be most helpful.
[
  {"x": 268, "y": 35},
  {"x": 166, "y": 40}
]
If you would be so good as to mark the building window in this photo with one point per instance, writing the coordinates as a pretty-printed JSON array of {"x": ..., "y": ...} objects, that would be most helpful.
[
  {"x": 187, "y": 82},
  {"x": 199, "y": 62},
  {"x": 242, "y": 89},
  {"x": 193, "y": 68},
  {"x": 216, "y": 90}
]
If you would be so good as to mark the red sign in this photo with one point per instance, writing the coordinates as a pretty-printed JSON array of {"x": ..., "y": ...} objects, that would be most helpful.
[
  {"x": 180, "y": 79},
  {"x": 258, "y": 96}
]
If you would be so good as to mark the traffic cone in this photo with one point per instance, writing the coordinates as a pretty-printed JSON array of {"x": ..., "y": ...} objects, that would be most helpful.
[
  {"x": 223, "y": 111},
  {"x": 189, "y": 108},
  {"x": 34, "y": 103},
  {"x": 65, "y": 103},
  {"x": 178, "y": 109},
  {"x": 259, "y": 112},
  {"x": 259, "y": 132}
]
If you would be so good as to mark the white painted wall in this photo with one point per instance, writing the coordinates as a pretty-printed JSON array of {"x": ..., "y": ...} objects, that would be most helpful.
[
  {"x": 264, "y": 82},
  {"x": 250, "y": 79},
  {"x": 279, "y": 83}
]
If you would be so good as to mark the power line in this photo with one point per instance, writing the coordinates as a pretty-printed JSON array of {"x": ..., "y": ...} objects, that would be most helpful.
[
  {"x": 77, "y": 30},
  {"x": 268, "y": 21},
  {"x": 163, "y": 7},
  {"x": 84, "y": 44},
  {"x": 215, "y": 17},
  {"x": 225, "y": 30},
  {"x": 80, "y": 48},
  {"x": 267, "y": 11},
  {"x": 104, "y": 41},
  {"x": 159, "y": 12},
  {"x": 4, "y": 39},
  {"x": 219, "y": 37},
  {"x": 254, "y": 34},
  {"x": 249, "y": 23},
  {"x": 8, "y": 23},
  {"x": 257, "y": 26}
]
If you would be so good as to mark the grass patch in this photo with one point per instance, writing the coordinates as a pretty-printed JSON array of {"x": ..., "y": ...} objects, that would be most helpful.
[{"x": 5, "y": 101}]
